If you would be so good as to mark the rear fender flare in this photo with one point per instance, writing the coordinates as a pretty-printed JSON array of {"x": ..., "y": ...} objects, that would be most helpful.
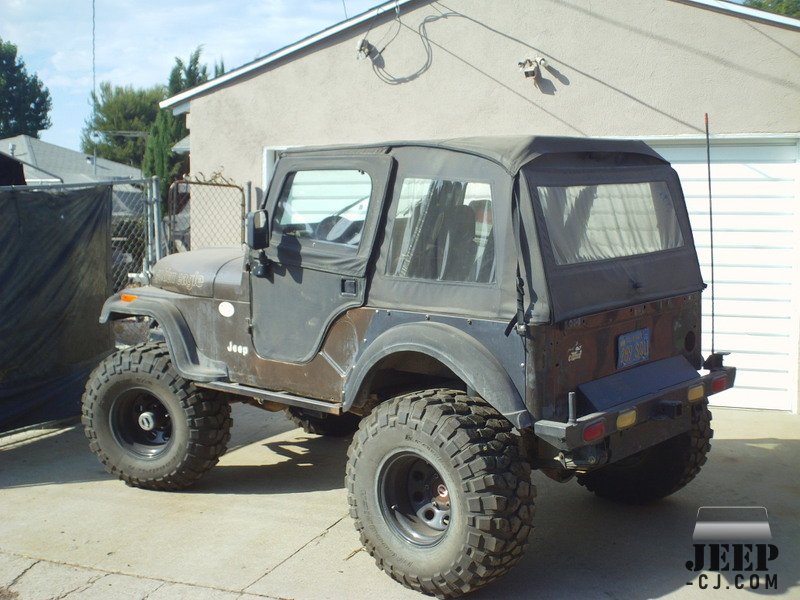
[{"x": 460, "y": 352}]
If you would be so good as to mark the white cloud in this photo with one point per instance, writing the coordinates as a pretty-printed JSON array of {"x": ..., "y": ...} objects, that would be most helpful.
[{"x": 137, "y": 42}]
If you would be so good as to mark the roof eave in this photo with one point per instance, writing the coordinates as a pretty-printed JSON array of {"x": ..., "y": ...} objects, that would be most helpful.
[
  {"x": 176, "y": 102},
  {"x": 740, "y": 10},
  {"x": 180, "y": 102}
]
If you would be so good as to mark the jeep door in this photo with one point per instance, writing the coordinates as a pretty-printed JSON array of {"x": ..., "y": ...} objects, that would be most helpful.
[{"x": 324, "y": 213}]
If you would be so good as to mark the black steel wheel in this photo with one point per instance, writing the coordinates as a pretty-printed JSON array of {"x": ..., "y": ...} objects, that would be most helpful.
[
  {"x": 414, "y": 498},
  {"x": 440, "y": 495},
  {"x": 141, "y": 423},
  {"x": 656, "y": 472},
  {"x": 149, "y": 426}
]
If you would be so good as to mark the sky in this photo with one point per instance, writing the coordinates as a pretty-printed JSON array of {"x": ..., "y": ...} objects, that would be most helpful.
[{"x": 137, "y": 42}]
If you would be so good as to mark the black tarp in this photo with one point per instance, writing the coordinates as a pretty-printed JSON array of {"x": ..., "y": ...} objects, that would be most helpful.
[
  {"x": 11, "y": 171},
  {"x": 54, "y": 276}
]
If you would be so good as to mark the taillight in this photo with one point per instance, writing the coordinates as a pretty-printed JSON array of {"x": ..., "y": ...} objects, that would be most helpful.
[
  {"x": 719, "y": 384},
  {"x": 594, "y": 432}
]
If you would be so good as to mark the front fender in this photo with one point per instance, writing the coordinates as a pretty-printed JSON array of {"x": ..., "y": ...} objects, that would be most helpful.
[
  {"x": 187, "y": 359},
  {"x": 460, "y": 352}
]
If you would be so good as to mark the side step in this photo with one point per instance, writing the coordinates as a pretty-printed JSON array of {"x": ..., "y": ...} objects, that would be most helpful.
[{"x": 333, "y": 408}]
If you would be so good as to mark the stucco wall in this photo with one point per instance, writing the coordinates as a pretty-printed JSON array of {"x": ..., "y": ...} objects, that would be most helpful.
[{"x": 622, "y": 68}]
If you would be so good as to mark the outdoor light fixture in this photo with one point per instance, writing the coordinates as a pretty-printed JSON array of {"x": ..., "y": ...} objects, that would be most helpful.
[
  {"x": 533, "y": 67},
  {"x": 364, "y": 49}
]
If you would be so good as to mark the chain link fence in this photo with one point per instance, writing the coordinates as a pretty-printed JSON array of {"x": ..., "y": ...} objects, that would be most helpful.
[
  {"x": 205, "y": 214},
  {"x": 132, "y": 250}
]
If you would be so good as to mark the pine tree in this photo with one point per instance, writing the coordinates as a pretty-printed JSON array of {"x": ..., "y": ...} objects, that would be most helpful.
[{"x": 24, "y": 101}]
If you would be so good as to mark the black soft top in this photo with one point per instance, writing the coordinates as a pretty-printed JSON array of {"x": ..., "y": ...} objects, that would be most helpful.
[{"x": 511, "y": 151}]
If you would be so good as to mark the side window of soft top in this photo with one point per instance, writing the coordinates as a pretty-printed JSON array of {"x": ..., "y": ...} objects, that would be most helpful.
[
  {"x": 443, "y": 231},
  {"x": 327, "y": 205}
]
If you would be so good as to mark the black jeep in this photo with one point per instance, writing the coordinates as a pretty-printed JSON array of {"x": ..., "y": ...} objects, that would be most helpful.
[{"x": 471, "y": 308}]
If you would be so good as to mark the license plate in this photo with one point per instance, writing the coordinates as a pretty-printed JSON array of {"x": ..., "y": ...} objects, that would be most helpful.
[{"x": 633, "y": 348}]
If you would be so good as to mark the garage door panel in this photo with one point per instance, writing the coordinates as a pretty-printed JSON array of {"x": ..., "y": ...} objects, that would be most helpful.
[
  {"x": 756, "y": 238},
  {"x": 748, "y": 257},
  {"x": 732, "y": 221},
  {"x": 751, "y": 360},
  {"x": 754, "y": 398},
  {"x": 751, "y": 188},
  {"x": 698, "y": 172},
  {"x": 698, "y": 207},
  {"x": 779, "y": 239},
  {"x": 757, "y": 275},
  {"x": 780, "y": 152},
  {"x": 763, "y": 292},
  {"x": 753, "y": 343},
  {"x": 755, "y": 324},
  {"x": 777, "y": 381}
]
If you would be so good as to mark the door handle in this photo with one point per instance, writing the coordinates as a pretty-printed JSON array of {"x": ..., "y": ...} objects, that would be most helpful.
[{"x": 349, "y": 288}]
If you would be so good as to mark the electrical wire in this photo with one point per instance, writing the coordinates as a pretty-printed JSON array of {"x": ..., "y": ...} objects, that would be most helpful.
[{"x": 94, "y": 53}]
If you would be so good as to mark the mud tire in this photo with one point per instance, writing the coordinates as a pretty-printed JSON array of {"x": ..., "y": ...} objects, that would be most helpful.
[
  {"x": 196, "y": 423},
  {"x": 475, "y": 452}
]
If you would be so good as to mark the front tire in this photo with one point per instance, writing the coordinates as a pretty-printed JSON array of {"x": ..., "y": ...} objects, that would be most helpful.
[
  {"x": 656, "y": 472},
  {"x": 149, "y": 426},
  {"x": 439, "y": 493}
]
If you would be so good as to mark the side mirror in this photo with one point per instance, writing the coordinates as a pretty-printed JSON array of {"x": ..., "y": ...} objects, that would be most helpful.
[{"x": 257, "y": 229}]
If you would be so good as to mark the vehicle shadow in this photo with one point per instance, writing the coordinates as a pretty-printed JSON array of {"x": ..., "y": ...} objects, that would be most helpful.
[
  {"x": 301, "y": 463},
  {"x": 586, "y": 547},
  {"x": 581, "y": 546}
]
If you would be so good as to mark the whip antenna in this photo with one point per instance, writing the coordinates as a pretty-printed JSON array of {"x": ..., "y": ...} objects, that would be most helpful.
[{"x": 710, "y": 229}]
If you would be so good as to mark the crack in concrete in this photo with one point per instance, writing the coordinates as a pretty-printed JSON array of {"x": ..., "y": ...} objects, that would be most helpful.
[
  {"x": 18, "y": 577},
  {"x": 295, "y": 553},
  {"x": 105, "y": 572},
  {"x": 153, "y": 591},
  {"x": 82, "y": 587}
]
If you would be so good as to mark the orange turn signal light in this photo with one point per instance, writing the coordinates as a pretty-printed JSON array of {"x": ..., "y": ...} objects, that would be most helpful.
[
  {"x": 128, "y": 297},
  {"x": 626, "y": 419},
  {"x": 696, "y": 393}
]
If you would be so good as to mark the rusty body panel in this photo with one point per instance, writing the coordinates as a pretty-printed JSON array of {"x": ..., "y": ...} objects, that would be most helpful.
[
  {"x": 321, "y": 378},
  {"x": 585, "y": 349}
]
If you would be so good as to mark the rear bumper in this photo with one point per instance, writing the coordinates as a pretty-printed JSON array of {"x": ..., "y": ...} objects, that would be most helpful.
[{"x": 636, "y": 424}]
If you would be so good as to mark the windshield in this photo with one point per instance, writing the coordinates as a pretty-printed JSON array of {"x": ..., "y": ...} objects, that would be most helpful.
[{"x": 597, "y": 222}]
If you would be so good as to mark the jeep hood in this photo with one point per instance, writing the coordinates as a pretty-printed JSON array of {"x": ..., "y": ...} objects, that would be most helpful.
[{"x": 193, "y": 273}]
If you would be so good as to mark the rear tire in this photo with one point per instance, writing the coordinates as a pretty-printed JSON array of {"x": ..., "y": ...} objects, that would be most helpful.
[
  {"x": 659, "y": 471},
  {"x": 149, "y": 426},
  {"x": 324, "y": 424},
  {"x": 439, "y": 493}
]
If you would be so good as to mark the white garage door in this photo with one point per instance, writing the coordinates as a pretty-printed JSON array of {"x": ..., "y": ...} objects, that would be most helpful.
[{"x": 756, "y": 191}]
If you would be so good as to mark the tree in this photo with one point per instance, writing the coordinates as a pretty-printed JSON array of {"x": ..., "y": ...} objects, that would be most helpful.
[
  {"x": 121, "y": 121},
  {"x": 790, "y": 8},
  {"x": 159, "y": 159},
  {"x": 24, "y": 101},
  {"x": 167, "y": 129}
]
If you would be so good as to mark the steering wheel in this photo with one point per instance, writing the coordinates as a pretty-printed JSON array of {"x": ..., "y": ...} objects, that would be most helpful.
[{"x": 333, "y": 229}]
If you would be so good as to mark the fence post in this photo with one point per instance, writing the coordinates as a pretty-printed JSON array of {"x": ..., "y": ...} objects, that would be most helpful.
[
  {"x": 147, "y": 260},
  {"x": 248, "y": 196},
  {"x": 247, "y": 204},
  {"x": 157, "y": 222}
]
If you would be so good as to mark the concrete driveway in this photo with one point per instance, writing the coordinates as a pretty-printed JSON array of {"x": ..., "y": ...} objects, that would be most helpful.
[{"x": 271, "y": 522}]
